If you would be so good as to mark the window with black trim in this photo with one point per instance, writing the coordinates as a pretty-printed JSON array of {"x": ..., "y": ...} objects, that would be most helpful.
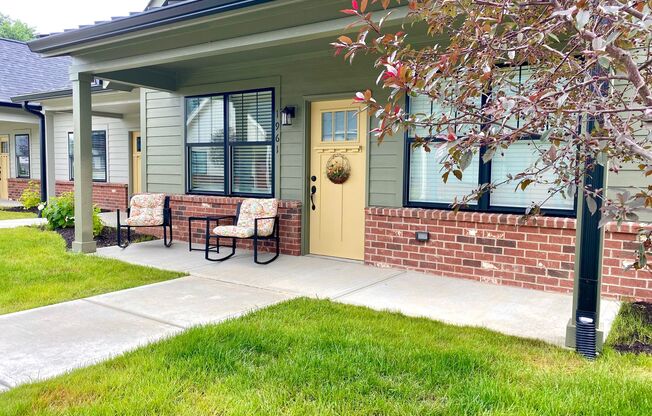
[
  {"x": 22, "y": 155},
  {"x": 230, "y": 143},
  {"x": 98, "y": 161},
  {"x": 423, "y": 178}
]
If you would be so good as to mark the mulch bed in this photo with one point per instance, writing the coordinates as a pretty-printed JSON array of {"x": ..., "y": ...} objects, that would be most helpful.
[
  {"x": 19, "y": 209},
  {"x": 108, "y": 237},
  {"x": 638, "y": 347}
]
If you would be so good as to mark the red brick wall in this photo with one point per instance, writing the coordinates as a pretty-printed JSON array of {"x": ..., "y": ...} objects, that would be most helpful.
[
  {"x": 185, "y": 206},
  {"x": 620, "y": 243},
  {"x": 17, "y": 186},
  {"x": 108, "y": 196},
  {"x": 496, "y": 248}
]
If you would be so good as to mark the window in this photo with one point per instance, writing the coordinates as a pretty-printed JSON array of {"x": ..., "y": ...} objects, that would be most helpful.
[
  {"x": 98, "y": 161},
  {"x": 339, "y": 126},
  {"x": 425, "y": 186},
  {"x": 22, "y": 155},
  {"x": 230, "y": 142}
]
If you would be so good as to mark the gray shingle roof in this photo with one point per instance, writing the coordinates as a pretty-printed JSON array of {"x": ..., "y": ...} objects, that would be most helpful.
[{"x": 23, "y": 71}]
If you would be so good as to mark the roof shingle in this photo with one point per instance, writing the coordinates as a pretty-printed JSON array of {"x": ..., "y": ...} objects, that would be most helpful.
[{"x": 24, "y": 72}]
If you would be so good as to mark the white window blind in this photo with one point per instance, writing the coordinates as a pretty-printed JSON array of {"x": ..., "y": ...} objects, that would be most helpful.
[
  {"x": 518, "y": 158},
  {"x": 427, "y": 185}
]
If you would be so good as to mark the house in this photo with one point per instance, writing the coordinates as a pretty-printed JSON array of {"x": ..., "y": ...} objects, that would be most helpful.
[
  {"x": 116, "y": 121},
  {"x": 23, "y": 71},
  {"x": 219, "y": 81}
]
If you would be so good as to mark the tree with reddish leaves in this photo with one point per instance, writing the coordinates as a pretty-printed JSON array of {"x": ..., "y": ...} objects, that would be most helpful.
[{"x": 587, "y": 97}]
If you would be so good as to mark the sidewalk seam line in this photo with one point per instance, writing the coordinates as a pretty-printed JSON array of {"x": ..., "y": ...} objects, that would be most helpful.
[
  {"x": 278, "y": 291},
  {"x": 140, "y": 315},
  {"x": 352, "y": 291}
]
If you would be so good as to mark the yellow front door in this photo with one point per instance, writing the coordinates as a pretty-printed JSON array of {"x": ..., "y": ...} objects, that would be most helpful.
[
  {"x": 4, "y": 167},
  {"x": 136, "y": 163},
  {"x": 338, "y": 145}
]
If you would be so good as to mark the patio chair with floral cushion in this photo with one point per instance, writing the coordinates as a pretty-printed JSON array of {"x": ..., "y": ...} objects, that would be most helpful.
[
  {"x": 255, "y": 219},
  {"x": 147, "y": 210}
]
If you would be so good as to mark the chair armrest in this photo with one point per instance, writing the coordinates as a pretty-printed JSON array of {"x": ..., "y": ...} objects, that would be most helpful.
[
  {"x": 262, "y": 219},
  {"x": 167, "y": 216},
  {"x": 218, "y": 219}
]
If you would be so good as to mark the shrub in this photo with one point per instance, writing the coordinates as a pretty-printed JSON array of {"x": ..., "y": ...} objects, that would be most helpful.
[
  {"x": 98, "y": 226},
  {"x": 60, "y": 213},
  {"x": 31, "y": 196}
]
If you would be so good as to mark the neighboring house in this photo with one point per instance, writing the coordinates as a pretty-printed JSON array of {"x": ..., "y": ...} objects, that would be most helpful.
[
  {"x": 23, "y": 71},
  {"x": 215, "y": 77},
  {"x": 27, "y": 77}
]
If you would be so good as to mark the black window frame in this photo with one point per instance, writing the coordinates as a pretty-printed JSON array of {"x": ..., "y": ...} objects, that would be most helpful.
[
  {"x": 29, "y": 155},
  {"x": 484, "y": 176},
  {"x": 229, "y": 145},
  {"x": 71, "y": 157}
]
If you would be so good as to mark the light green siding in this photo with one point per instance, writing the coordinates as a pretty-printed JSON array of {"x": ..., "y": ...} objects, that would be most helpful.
[
  {"x": 296, "y": 82},
  {"x": 164, "y": 142}
]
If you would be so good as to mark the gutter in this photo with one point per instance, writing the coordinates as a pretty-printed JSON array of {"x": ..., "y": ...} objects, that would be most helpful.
[
  {"x": 40, "y": 96},
  {"x": 146, "y": 20},
  {"x": 35, "y": 110}
]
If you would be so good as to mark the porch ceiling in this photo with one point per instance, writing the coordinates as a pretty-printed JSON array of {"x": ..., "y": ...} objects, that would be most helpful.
[
  {"x": 164, "y": 69},
  {"x": 177, "y": 75}
]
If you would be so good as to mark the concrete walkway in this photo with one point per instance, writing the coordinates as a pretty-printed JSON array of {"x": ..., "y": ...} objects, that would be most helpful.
[
  {"x": 25, "y": 222},
  {"x": 7, "y": 203},
  {"x": 45, "y": 342}
]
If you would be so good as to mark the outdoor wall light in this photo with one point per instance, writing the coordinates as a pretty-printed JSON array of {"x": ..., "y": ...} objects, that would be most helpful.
[
  {"x": 423, "y": 236},
  {"x": 287, "y": 114}
]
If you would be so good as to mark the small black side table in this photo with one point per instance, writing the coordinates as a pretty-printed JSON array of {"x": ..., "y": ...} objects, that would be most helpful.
[{"x": 190, "y": 221}]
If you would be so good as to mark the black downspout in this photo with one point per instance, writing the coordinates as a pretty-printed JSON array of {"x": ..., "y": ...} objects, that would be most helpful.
[{"x": 44, "y": 176}]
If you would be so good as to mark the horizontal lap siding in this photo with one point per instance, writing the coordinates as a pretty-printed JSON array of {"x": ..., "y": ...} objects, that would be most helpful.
[
  {"x": 117, "y": 133},
  {"x": 298, "y": 79},
  {"x": 630, "y": 178},
  {"x": 164, "y": 142}
]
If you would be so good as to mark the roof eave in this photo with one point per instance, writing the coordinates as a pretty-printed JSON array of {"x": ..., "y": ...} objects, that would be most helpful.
[
  {"x": 58, "y": 44},
  {"x": 49, "y": 95}
]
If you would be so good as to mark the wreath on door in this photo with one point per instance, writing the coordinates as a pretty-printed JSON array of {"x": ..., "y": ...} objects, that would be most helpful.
[{"x": 338, "y": 168}]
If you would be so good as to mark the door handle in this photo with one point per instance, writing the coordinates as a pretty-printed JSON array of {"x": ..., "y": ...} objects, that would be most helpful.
[{"x": 313, "y": 191}]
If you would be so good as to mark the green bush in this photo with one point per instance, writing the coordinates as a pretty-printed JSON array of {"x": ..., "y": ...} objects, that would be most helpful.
[
  {"x": 31, "y": 196},
  {"x": 60, "y": 213},
  {"x": 98, "y": 226}
]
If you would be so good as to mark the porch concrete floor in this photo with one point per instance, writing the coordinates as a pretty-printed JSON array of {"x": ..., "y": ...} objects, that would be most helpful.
[{"x": 48, "y": 341}]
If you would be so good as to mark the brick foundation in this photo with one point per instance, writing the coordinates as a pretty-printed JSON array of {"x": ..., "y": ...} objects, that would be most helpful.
[
  {"x": 496, "y": 248},
  {"x": 108, "y": 196},
  {"x": 185, "y": 206}
]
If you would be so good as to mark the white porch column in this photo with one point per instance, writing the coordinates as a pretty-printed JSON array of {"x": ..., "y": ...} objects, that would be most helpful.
[
  {"x": 49, "y": 151},
  {"x": 82, "y": 118}
]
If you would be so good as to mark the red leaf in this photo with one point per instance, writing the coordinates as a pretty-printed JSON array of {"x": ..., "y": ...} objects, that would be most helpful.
[{"x": 354, "y": 4}]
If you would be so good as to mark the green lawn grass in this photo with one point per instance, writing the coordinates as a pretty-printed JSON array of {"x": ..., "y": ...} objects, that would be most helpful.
[
  {"x": 36, "y": 270},
  {"x": 13, "y": 215},
  {"x": 630, "y": 326},
  {"x": 308, "y": 357}
]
